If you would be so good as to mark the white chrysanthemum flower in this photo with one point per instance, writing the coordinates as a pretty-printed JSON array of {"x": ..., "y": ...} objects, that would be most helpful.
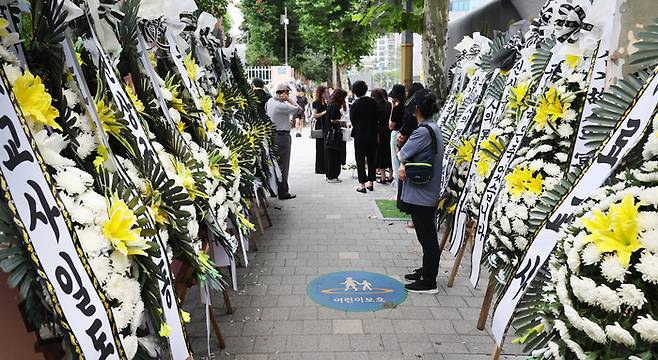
[
  {"x": 102, "y": 267},
  {"x": 650, "y": 195},
  {"x": 650, "y": 239},
  {"x": 647, "y": 327},
  {"x": 92, "y": 241},
  {"x": 175, "y": 115},
  {"x": 647, "y": 266},
  {"x": 632, "y": 296},
  {"x": 520, "y": 228},
  {"x": 130, "y": 344},
  {"x": 573, "y": 259},
  {"x": 505, "y": 225},
  {"x": 83, "y": 215},
  {"x": 570, "y": 115},
  {"x": 13, "y": 72},
  {"x": 607, "y": 299},
  {"x": 648, "y": 220},
  {"x": 73, "y": 180},
  {"x": 561, "y": 157},
  {"x": 120, "y": 262},
  {"x": 50, "y": 146},
  {"x": 591, "y": 255},
  {"x": 594, "y": 331},
  {"x": 536, "y": 164},
  {"x": 93, "y": 201},
  {"x": 544, "y": 148},
  {"x": 72, "y": 98},
  {"x": 193, "y": 228},
  {"x": 123, "y": 289},
  {"x": 552, "y": 170},
  {"x": 619, "y": 335},
  {"x": 123, "y": 314},
  {"x": 584, "y": 289},
  {"x": 612, "y": 269},
  {"x": 87, "y": 144}
]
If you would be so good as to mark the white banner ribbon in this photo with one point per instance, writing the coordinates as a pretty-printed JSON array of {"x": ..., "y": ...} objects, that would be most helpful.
[
  {"x": 177, "y": 341},
  {"x": 497, "y": 179},
  {"x": 628, "y": 133},
  {"x": 49, "y": 237},
  {"x": 461, "y": 213}
]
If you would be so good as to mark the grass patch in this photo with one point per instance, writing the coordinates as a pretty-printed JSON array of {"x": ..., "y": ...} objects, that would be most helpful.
[{"x": 390, "y": 211}]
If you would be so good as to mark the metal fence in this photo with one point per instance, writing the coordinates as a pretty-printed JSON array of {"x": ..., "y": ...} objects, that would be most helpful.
[{"x": 261, "y": 72}]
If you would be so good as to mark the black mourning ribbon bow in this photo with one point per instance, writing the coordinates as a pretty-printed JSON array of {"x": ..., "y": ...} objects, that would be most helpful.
[{"x": 572, "y": 27}]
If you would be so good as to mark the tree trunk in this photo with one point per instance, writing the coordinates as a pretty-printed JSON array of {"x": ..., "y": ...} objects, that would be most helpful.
[
  {"x": 344, "y": 81},
  {"x": 334, "y": 69},
  {"x": 435, "y": 31}
]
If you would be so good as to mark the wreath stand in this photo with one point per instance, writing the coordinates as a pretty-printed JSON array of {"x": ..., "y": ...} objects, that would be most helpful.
[{"x": 468, "y": 241}]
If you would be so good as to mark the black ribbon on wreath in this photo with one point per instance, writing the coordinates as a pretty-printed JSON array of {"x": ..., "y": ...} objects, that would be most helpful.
[{"x": 572, "y": 21}]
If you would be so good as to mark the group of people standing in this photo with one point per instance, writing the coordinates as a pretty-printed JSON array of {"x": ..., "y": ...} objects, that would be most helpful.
[{"x": 390, "y": 137}]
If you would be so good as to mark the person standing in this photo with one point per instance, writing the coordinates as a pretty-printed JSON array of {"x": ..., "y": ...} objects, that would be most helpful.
[
  {"x": 425, "y": 145},
  {"x": 280, "y": 110},
  {"x": 383, "y": 136},
  {"x": 333, "y": 153},
  {"x": 409, "y": 124},
  {"x": 319, "y": 112},
  {"x": 398, "y": 98},
  {"x": 363, "y": 115},
  {"x": 302, "y": 101},
  {"x": 262, "y": 95}
]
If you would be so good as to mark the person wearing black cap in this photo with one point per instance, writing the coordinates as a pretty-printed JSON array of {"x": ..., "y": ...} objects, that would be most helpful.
[
  {"x": 262, "y": 95},
  {"x": 280, "y": 110}
]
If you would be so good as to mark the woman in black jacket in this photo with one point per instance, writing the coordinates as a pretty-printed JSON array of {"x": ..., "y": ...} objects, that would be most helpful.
[
  {"x": 319, "y": 112},
  {"x": 383, "y": 136},
  {"x": 334, "y": 153}
]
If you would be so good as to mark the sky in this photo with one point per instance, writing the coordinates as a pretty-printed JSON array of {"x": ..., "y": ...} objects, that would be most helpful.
[{"x": 237, "y": 17}]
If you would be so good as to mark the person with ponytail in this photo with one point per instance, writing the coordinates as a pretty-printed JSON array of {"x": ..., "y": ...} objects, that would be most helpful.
[{"x": 420, "y": 190}]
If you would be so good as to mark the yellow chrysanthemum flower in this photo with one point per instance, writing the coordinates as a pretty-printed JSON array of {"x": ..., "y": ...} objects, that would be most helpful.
[
  {"x": 210, "y": 126},
  {"x": 152, "y": 59},
  {"x": 452, "y": 208},
  {"x": 185, "y": 176},
  {"x": 465, "y": 150},
  {"x": 235, "y": 163},
  {"x": 122, "y": 230},
  {"x": 520, "y": 180},
  {"x": 185, "y": 316},
  {"x": 617, "y": 231},
  {"x": 206, "y": 105},
  {"x": 572, "y": 60},
  {"x": 34, "y": 100},
  {"x": 550, "y": 108},
  {"x": 176, "y": 101},
  {"x": 108, "y": 117},
  {"x": 165, "y": 330},
  {"x": 483, "y": 165},
  {"x": 181, "y": 126},
  {"x": 158, "y": 214},
  {"x": 517, "y": 96},
  {"x": 139, "y": 106},
  {"x": 99, "y": 160},
  {"x": 78, "y": 57},
  {"x": 492, "y": 144},
  {"x": 190, "y": 66},
  {"x": 220, "y": 100}
]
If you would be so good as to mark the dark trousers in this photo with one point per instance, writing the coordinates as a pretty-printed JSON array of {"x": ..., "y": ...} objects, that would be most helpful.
[
  {"x": 283, "y": 141},
  {"x": 319, "y": 156},
  {"x": 365, "y": 154},
  {"x": 332, "y": 161},
  {"x": 424, "y": 218}
]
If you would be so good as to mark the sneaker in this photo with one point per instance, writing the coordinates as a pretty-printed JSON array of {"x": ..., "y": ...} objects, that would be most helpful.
[
  {"x": 334, "y": 181},
  {"x": 415, "y": 275},
  {"x": 422, "y": 287},
  {"x": 287, "y": 196}
]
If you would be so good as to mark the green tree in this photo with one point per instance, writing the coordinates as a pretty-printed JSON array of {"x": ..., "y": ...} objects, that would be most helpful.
[
  {"x": 328, "y": 25},
  {"x": 427, "y": 17}
]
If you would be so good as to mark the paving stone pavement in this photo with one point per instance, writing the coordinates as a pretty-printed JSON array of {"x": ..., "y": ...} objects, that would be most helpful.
[{"x": 328, "y": 228}]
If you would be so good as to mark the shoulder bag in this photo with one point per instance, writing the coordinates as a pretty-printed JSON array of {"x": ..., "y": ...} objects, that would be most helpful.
[{"x": 422, "y": 171}]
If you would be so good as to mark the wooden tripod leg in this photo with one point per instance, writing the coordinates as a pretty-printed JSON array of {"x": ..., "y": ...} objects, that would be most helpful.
[
  {"x": 495, "y": 353},
  {"x": 252, "y": 242},
  {"x": 267, "y": 214},
  {"x": 215, "y": 327},
  {"x": 227, "y": 302},
  {"x": 486, "y": 305},
  {"x": 256, "y": 213},
  {"x": 455, "y": 266}
]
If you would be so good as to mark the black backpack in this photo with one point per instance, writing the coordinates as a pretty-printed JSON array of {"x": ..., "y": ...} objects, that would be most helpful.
[{"x": 421, "y": 171}]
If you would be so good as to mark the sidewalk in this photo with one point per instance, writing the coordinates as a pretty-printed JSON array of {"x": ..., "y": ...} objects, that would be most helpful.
[{"x": 328, "y": 228}]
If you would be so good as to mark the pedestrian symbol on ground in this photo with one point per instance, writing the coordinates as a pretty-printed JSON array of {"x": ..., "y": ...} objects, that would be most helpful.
[{"x": 356, "y": 291}]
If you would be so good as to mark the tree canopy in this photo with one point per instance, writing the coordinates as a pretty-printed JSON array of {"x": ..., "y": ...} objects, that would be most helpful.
[{"x": 319, "y": 31}]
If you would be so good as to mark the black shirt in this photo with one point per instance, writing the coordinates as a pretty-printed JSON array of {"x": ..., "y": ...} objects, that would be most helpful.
[
  {"x": 319, "y": 107},
  {"x": 409, "y": 123},
  {"x": 263, "y": 97},
  {"x": 397, "y": 118},
  {"x": 363, "y": 115},
  {"x": 333, "y": 113}
]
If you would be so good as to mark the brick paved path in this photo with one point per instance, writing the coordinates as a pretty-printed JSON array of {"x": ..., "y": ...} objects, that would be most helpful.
[{"x": 331, "y": 227}]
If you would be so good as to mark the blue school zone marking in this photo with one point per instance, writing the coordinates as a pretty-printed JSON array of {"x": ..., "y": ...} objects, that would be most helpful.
[{"x": 356, "y": 291}]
